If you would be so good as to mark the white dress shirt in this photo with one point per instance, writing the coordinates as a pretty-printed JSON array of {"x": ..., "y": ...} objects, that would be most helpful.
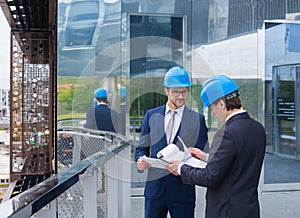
[{"x": 177, "y": 119}]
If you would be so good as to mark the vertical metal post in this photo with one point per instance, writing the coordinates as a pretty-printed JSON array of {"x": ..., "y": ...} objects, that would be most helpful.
[
  {"x": 77, "y": 149},
  {"x": 112, "y": 187},
  {"x": 125, "y": 182},
  {"x": 297, "y": 112},
  {"x": 119, "y": 188},
  {"x": 90, "y": 194},
  {"x": 275, "y": 122}
]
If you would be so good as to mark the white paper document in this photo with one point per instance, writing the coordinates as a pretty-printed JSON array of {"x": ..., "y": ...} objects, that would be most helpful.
[
  {"x": 157, "y": 163},
  {"x": 172, "y": 152}
]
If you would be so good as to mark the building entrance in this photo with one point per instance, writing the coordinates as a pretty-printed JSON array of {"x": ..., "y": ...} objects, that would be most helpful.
[{"x": 286, "y": 99}]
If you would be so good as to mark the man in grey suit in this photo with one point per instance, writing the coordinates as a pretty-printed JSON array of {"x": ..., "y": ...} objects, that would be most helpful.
[
  {"x": 235, "y": 158},
  {"x": 165, "y": 192}
]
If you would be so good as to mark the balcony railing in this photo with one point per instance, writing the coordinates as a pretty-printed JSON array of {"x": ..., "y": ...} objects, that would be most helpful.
[{"x": 93, "y": 179}]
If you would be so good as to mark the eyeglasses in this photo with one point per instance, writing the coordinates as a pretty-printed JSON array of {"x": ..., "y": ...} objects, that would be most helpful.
[{"x": 176, "y": 93}]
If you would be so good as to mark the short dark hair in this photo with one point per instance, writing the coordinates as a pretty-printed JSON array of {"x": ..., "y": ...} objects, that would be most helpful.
[
  {"x": 102, "y": 99},
  {"x": 233, "y": 103}
]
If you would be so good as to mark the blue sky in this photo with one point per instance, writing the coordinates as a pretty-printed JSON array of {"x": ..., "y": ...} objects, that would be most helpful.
[{"x": 4, "y": 52}]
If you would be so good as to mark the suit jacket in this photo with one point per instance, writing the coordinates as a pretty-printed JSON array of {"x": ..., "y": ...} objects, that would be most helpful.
[
  {"x": 193, "y": 132},
  {"x": 233, "y": 169},
  {"x": 102, "y": 118}
]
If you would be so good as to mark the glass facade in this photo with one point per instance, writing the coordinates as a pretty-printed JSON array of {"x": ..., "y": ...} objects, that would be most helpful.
[
  {"x": 282, "y": 60},
  {"x": 126, "y": 46}
]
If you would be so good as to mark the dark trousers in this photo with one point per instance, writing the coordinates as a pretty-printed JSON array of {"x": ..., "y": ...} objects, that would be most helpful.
[{"x": 159, "y": 208}]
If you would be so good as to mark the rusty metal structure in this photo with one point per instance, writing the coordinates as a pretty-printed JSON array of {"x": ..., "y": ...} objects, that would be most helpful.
[{"x": 33, "y": 90}]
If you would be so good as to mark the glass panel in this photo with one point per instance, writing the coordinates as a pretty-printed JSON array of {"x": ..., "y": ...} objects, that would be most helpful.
[
  {"x": 157, "y": 52},
  {"x": 159, "y": 39},
  {"x": 281, "y": 61},
  {"x": 294, "y": 38},
  {"x": 88, "y": 57},
  {"x": 99, "y": 48},
  {"x": 285, "y": 106},
  {"x": 81, "y": 23}
]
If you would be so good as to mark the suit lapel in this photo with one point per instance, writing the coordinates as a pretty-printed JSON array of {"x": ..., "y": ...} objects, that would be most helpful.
[
  {"x": 189, "y": 122},
  {"x": 156, "y": 122}
]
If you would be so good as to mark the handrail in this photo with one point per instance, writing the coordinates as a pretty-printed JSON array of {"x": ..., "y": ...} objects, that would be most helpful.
[{"x": 31, "y": 201}]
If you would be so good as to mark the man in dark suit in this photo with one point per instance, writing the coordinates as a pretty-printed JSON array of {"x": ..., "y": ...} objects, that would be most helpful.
[
  {"x": 235, "y": 158},
  {"x": 165, "y": 192},
  {"x": 101, "y": 116}
]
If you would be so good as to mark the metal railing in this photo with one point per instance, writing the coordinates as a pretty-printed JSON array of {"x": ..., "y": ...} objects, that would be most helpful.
[{"x": 93, "y": 179}]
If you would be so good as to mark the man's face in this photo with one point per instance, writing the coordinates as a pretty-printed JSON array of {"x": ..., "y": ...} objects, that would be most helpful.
[
  {"x": 218, "y": 110},
  {"x": 177, "y": 95}
]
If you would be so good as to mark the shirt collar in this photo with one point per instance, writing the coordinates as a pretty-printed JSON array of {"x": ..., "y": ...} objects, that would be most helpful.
[
  {"x": 178, "y": 110},
  {"x": 235, "y": 113}
]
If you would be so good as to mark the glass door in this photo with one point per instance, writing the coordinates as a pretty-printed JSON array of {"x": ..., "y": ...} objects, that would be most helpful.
[{"x": 285, "y": 91}]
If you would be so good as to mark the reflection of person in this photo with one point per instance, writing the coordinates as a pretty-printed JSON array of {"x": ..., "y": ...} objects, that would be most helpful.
[
  {"x": 235, "y": 157},
  {"x": 165, "y": 192},
  {"x": 101, "y": 116}
]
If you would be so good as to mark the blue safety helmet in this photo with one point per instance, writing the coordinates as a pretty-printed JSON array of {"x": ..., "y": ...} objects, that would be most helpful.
[
  {"x": 123, "y": 92},
  {"x": 100, "y": 93},
  {"x": 217, "y": 87},
  {"x": 177, "y": 77}
]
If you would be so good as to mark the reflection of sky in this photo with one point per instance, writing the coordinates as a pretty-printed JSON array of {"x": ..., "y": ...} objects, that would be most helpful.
[
  {"x": 89, "y": 34},
  {"x": 293, "y": 38},
  {"x": 81, "y": 23},
  {"x": 4, "y": 52},
  {"x": 86, "y": 28}
]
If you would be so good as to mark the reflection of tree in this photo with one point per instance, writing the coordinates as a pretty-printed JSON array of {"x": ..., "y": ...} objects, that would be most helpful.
[
  {"x": 147, "y": 101},
  {"x": 65, "y": 97},
  {"x": 194, "y": 98},
  {"x": 82, "y": 99},
  {"x": 75, "y": 99},
  {"x": 75, "y": 95}
]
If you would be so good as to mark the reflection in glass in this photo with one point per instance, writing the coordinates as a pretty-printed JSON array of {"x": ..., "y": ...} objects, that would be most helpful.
[
  {"x": 282, "y": 101},
  {"x": 81, "y": 23}
]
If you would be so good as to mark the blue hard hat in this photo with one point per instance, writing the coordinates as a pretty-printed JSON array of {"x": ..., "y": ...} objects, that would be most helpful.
[
  {"x": 177, "y": 77},
  {"x": 123, "y": 92},
  {"x": 215, "y": 88},
  {"x": 100, "y": 93}
]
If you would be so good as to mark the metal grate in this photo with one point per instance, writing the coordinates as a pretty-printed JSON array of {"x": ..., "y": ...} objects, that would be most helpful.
[
  {"x": 32, "y": 22},
  {"x": 70, "y": 203},
  {"x": 73, "y": 147},
  {"x": 31, "y": 130}
]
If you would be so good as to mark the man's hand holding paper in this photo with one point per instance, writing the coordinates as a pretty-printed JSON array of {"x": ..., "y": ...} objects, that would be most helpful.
[
  {"x": 197, "y": 153},
  {"x": 143, "y": 164},
  {"x": 165, "y": 156},
  {"x": 171, "y": 154}
]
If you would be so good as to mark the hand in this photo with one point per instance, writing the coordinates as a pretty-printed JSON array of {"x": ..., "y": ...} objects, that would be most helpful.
[
  {"x": 173, "y": 167},
  {"x": 142, "y": 165},
  {"x": 197, "y": 153}
]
